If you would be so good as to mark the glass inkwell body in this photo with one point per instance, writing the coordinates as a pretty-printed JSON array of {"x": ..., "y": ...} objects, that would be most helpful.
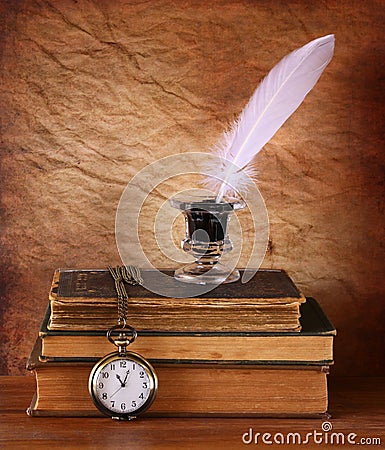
[{"x": 206, "y": 238}]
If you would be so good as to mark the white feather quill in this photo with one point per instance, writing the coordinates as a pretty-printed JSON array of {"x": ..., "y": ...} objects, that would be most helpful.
[{"x": 273, "y": 102}]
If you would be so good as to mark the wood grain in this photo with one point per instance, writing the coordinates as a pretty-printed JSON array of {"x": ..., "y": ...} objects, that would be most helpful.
[{"x": 357, "y": 405}]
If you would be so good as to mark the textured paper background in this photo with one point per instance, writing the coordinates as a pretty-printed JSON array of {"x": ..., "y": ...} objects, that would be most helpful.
[{"x": 94, "y": 90}]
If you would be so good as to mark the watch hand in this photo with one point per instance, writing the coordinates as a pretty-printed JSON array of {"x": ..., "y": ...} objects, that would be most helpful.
[
  {"x": 125, "y": 378},
  {"x": 122, "y": 383},
  {"x": 116, "y": 391}
]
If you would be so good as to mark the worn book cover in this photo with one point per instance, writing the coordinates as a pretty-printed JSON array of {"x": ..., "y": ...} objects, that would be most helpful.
[{"x": 86, "y": 299}]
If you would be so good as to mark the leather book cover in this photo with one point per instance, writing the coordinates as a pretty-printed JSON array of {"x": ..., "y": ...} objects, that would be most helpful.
[{"x": 267, "y": 284}]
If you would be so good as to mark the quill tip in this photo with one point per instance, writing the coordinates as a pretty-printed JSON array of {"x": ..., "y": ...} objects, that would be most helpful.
[
  {"x": 326, "y": 42},
  {"x": 323, "y": 39}
]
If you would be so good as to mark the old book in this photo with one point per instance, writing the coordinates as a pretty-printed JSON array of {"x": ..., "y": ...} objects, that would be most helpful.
[
  {"x": 190, "y": 389},
  {"x": 86, "y": 299},
  {"x": 313, "y": 344}
]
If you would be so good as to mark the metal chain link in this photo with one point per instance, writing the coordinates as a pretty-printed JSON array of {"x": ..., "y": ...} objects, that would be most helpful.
[{"x": 130, "y": 275}]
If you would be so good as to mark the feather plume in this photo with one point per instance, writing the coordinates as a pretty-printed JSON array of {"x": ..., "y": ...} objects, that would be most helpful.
[{"x": 273, "y": 102}]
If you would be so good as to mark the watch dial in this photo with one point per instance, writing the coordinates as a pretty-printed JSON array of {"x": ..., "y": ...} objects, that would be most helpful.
[{"x": 123, "y": 385}]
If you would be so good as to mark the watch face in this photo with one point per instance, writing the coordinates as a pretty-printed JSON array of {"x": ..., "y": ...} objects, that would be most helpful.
[{"x": 123, "y": 385}]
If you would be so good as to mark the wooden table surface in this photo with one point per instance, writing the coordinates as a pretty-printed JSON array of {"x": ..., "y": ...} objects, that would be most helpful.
[{"x": 357, "y": 406}]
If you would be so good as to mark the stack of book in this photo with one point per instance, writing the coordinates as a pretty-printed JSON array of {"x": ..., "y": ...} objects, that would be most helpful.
[{"x": 259, "y": 348}]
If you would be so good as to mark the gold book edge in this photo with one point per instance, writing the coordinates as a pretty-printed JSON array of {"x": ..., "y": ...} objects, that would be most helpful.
[
  {"x": 34, "y": 411},
  {"x": 36, "y": 360}
]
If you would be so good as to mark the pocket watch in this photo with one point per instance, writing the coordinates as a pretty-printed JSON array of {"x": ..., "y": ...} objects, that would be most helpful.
[{"x": 122, "y": 384}]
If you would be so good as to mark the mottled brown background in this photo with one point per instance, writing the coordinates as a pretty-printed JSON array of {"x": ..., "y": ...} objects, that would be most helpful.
[{"x": 94, "y": 90}]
